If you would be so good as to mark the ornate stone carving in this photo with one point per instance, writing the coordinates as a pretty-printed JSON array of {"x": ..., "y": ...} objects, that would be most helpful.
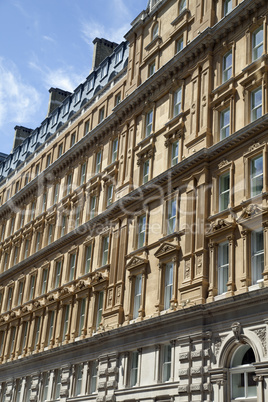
[
  {"x": 199, "y": 264},
  {"x": 217, "y": 344},
  {"x": 237, "y": 330},
  {"x": 220, "y": 224},
  {"x": 261, "y": 333},
  {"x": 187, "y": 269},
  {"x": 223, "y": 163},
  {"x": 256, "y": 145}
]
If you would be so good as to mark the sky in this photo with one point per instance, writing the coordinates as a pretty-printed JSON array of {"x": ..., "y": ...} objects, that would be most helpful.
[{"x": 48, "y": 43}]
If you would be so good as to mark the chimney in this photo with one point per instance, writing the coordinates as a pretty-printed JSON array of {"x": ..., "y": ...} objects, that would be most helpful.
[
  {"x": 56, "y": 98},
  {"x": 20, "y": 134},
  {"x": 102, "y": 49}
]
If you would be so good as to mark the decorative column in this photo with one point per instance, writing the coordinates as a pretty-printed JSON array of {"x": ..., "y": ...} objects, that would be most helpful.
[
  {"x": 231, "y": 279},
  {"x": 245, "y": 275},
  {"x": 212, "y": 290}
]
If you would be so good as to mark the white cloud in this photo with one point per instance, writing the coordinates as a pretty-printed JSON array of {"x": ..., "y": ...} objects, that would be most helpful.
[
  {"x": 19, "y": 101},
  {"x": 49, "y": 39}
]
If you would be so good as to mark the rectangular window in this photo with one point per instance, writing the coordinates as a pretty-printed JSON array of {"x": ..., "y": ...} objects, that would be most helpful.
[
  {"x": 9, "y": 299},
  {"x": 26, "y": 250},
  {"x": 93, "y": 206},
  {"x": 83, "y": 174},
  {"x": 48, "y": 160},
  {"x": 141, "y": 231},
  {"x": 256, "y": 175},
  {"x": 32, "y": 287},
  {"x": 44, "y": 281},
  {"x": 146, "y": 171},
  {"x": 51, "y": 326},
  {"x": 72, "y": 139},
  {"x": 227, "y": 7},
  {"x": 257, "y": 43},
  {"x": 18, "y": 389},
  {"x": 119, "y": 56},
  {"x": 82, "y": 316},
  {"x": 17, "y": 187},
  {"x": 166, "y": 365},
  {"x": 50, "y": 234},
  {"x": 63, "y": 225},
  {"x": 37, "y": 170},
  {"x": 168, "y": 286},
  {"x": 6, "y": 260},
  {"x": 177, "y": 102},
  {"x": 149, "y": 123},
  {"x": 3, "y": 232},
  {"x": 66, "y": 321},
  {"x": 20, "y": 293},
  {"x": 179, "y": 44},
  {"x": 224, "y": 191},
  {"x": 105, "y": 250},
  {"x": 78, "y": 379},
  {"x": 22, "y": 218},
  {"x": 118, "y": 99},
  {"x": 37, "y": 331},
  {"x": 56, "y": 193},
  {"x": 45, "y": 383},
  {"x": 69, "y": 183},
  {"x": 98, "y": 162},
  {"x": 93, "y": 377},
  {"x": 57, "y": 280},
  {"x": 110, "y": 191},
  {"x": 223, "y": 267},
  {"x": 171, "y": 216},
  {"x": 77, "y": 216},
  {"x": 57, "y": 385},
  {"x": 137, "y": 296},
  {"x": 86, "y": 130},
  {"x": 225, "y": 123},
  {"x": 60, "y": 150},
  {"x": 257, "y": 256},
  {"x": 24, "y": 335},
  {"x": 227, "y": 66},
  {"x": 12, "y": 225},
  {"x": 72, "y": 267},
  {"x": 114, "y": 150},
  {"x": 12, "y": 340},
  {"x": 44, "y": 203},
  {"x": 99, "y": 309},
  {"x": 256, "y": 104},
  {"x": 134, "y": 364},
  {"x": 152, "y": 68},
  {"x": 88, "y": 259},
  {"x": 101, "y": 114},
  {"x": 33, "y": 210},
  {"x": 174, "y": 153}
]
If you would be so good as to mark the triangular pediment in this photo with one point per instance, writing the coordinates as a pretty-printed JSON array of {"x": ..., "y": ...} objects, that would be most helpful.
[
  {"x": 136, "y": 262},
  {"x": 219, "y": 226},
  {"x": 251, "y": 211},
  {"x": 166, "y": 248}
]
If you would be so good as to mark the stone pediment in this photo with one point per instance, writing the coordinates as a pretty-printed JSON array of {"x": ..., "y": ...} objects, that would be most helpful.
[
  {"x": 136, "y": 262},
  {"x": 166, "y": 248},
  {"x": 250, "y": 212},
  {"x": 219, "y": 226}
]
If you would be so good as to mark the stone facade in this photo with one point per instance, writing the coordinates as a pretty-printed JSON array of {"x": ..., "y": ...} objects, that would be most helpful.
[{"x": 134, "y": 221}]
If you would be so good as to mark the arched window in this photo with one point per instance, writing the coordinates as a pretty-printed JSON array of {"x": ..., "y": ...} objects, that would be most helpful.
[
  {"x": 243, "y": 386},
  {"x": 182, "y": 6},
  {"x": 155, "y": 30}
]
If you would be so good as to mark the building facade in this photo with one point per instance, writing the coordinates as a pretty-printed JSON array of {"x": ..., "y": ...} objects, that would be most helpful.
[{"x": 134, "y": 220}]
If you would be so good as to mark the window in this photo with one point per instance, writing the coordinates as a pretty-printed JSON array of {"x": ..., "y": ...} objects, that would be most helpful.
[
  {"x": 24, "y": 335},
  {"x": 48, "y": 160},
  {"x": 168, "y": 285},
  {"x": 257, "y": 256},
  {"x": 101, "y": 114},
  {"x": 33, "y": 210},
  {"x": 177, "y": 102},
  {"x": 227, "y": 66},
  {"x": 83, "y": 174},
  {"x": 174, "y": 153},
  {"x": 110, "y": 191},
  {"x": 63, "y": 225},
  {"x": 227, "y": 7},
  {"x": 69, "y": 183},
  {"x": 141, "y": 231},
  {"x": 117, "y": 99},
  {"x": 151, "y": 69},
  {"x": 12, "y": 340},
  {"x": 37, "y": 332},
  {"x": 37, "y": 170},
  {"x": 86, "y": 131},
  {"x": 82, "y": 316},
  {"x": 45, "y": 383},
  {"x": 114, "y": 150},
  {"x": 224, "y": 123},
  {"x": 57, "y": 384},
  {"x": 88, "y": 252},
  {"x": 12, "y": 225},
  {"x": 90, "y": 84},
  {"x": 137, "y": 296},
  {"x": 179, "y": 44},
  {"x": 50, "y": 234},
  {"x": 27, "y": 390},
  {"x": 223, "y": 267},
  {"x": 149, "y": 123},
  {"x": 78, "y": 379},
  {"x": 133, "y": 373},
  {"x": 256, "y": 104},
  {"x": 17, "y": 187},
  {"x": 72, "y": 267},
  {"x": 182, "y": 6},
  {"x": 18, "y": 389},
  {"x": 44, "y": 203},
  {"x": 44, "y": 281},
  {"x": 99, "y": 309},
  {"x": 72, "y": 140},
  {"x": 93, "y": 206},
  {"x": 32, "y": 287},
  {"x": 119, "y": 56},
  {"x": 105, "y": 250},
  {"x": 224, "y": 191},
  {"x": 3, "y": 232},
  {"x": 155, "y": 30},
  {"x": 54, "y": 119},
  {"x": 57, "y": 279},
  {"x": 93, "y": 378},
  {"x": 257, "y": 43},
  {"x": 60, "y": 150},
  {"x": 50, "y": 326},
  {"x": 146, "y": 171},
  {"x": 38, "y": 241},
  {"x": 20, "y": 293},
  {"x": 171, "y": 216},
  {"x": 9, "y": 299},
  {"x": 166, "y": 363},
  {"x": 256, "y": 175},
  {"x": 56, "y": 192},
  {"x": 65, "y": 108},
  {"x": 242, "y": 374},
  {"x": 77, "y": 216},
  {"x": 104, "y": 70},
  {"x": 22, "y": 218},
  {"x": 77, "y": 96},
  {"x": 65, "y": 321},
  {"x": 98, "y": 162},
  {"x": 6, "y": 260},
  {"x": 26, "y": 250}
]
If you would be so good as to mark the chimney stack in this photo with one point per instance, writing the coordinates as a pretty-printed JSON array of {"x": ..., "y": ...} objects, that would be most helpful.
[
  {"x": 56, "y": 98},
  {"x": 102, "y": 49},
  {"x": 20, "y": 134}
]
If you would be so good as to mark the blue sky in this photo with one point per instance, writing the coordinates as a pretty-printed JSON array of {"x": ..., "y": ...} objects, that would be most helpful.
[{"x": 48, "y": 43}]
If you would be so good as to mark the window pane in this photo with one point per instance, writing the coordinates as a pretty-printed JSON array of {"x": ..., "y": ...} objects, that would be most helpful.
[
  {"x": 149, "y": 123},
  {"x": 223, "y": 267},
  {"x": 257, "y": 263},
  {"x": 105, "y": 249},
  {"x": 175, "y": 153},
  {"x": 257, "y": 43},
  {"x": 166, "y": 368},
  {"x": 225, "y": 123},
  {"x": 137, "y": 296},
  {"x": 224, "y": 191},
  {"x": 171, "y": 227},
  {"x": 99, "y": 310},
  {"x": 227, "y": 66},
  {"x": 256, "y": 104},
  {"x": 227, "y": 7},
  {"x": 141, "y": 231},
  {"x": 168, "y": 285},
  {"x": 256, "y": 175},
  {"x": 134, "y": 369},
  {"x": 88, "y": 259},
  {"x": 146, "y": 171},
  {"x": 177, "y": 102}
]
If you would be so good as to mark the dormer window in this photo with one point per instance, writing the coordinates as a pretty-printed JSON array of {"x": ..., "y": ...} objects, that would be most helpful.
[
  {"x": 77, "y": 96},
  {"x": 90, "y": 84},
  {"x": 104, "y": 70},
  {"x": 54, "y": 119},
  {"x": 65, "y": 108},
  {"x": 119, "y": 56}
]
